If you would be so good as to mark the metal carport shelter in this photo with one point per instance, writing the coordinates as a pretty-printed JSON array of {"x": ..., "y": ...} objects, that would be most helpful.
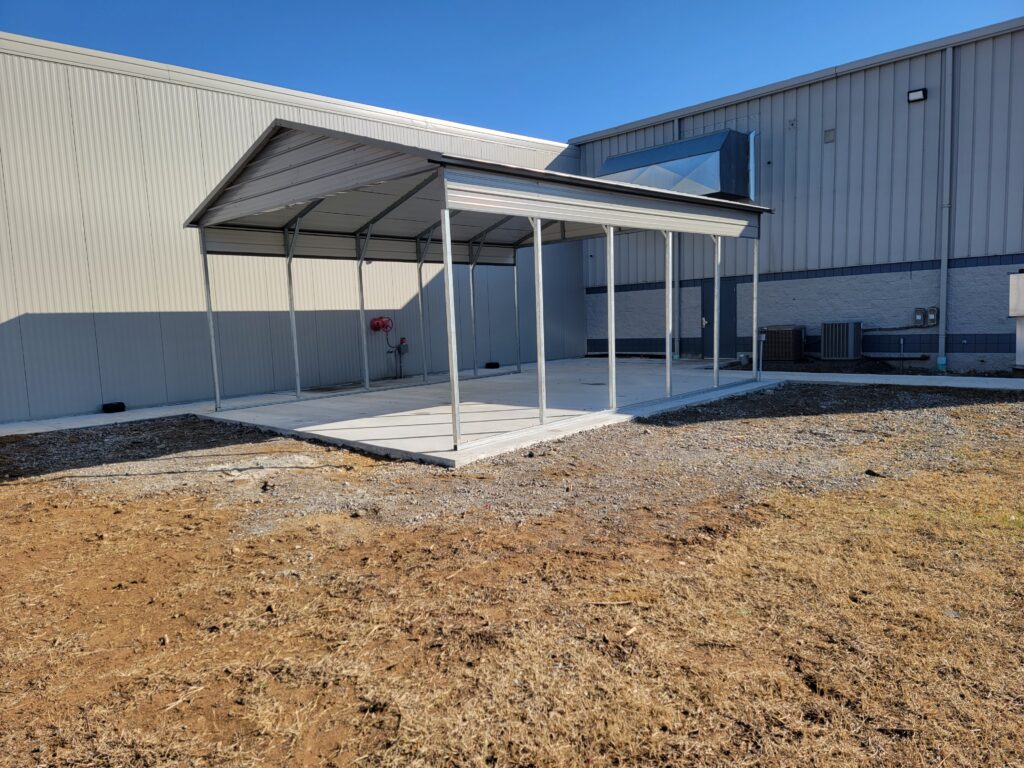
[{"x": 312, "y": 193}]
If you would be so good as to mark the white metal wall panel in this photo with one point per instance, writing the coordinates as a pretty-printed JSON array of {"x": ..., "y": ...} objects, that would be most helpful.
[
  {"x": 361, "y": 119},
  {"x": 50, "y": 255},
  {"x": 101, "y": 160},
  {"x": 13, "y": 385},
  {"x": 116, "y": 226},
  {"x": 38, "y": 141},
  {"x": 110, "y": 169},
  {"x": 173, "y": 169}
]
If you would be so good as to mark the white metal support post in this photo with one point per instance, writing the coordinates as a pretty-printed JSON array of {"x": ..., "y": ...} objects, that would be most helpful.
[
  {"x": 609, "y": 269},
  {"x": 538, "y": 285},
  {"x": 361, "y": 246},
  {"x": 421, "y": 253},
  {"x": 669, "y": 307},
  {"x": 718, "y": 306},
  {"x": 209, "y": 318},
  {"x": 755, "y": 334},
  {"x": 677, "y": 275},
  {"x": 449, "y": 313},
  {"x": 515, "y": 308},
  {"x": 474, "y": 254},
  {"x": 947, "y": 203},
  {"x": 290, "y": 246}
]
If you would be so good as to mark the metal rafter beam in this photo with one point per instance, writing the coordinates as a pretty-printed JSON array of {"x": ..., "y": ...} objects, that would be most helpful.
[
  {"x": 397, "y": 203},
  {"x": 302, "y": 214},
  {"x": 425, "y": 235},
  {"x": 523, "y": 240},
  {"x": 429, "y": 231},
  {"x": 483, "y": 233}
]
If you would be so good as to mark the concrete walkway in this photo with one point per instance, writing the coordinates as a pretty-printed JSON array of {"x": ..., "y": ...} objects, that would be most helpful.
[{"x": 901, "y": 380}]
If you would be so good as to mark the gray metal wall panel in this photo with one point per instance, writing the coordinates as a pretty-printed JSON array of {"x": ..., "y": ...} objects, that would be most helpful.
[
  {"x": 901, "y": 54},
  {"x": 244, "y": 353},
  {"x": 872, "y": 196},
  {"x": 186, "y": 354},
  {"x": 869, "y": 197},
  {"x": 14, "y": 403},
  {"x": 131, "y": 358},
  {"x": 61, "y": 363},
  {"x": 989, "y": 156}
]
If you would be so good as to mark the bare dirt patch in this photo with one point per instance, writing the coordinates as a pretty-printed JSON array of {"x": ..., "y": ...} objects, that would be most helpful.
[{"x": 820, "y": 575}]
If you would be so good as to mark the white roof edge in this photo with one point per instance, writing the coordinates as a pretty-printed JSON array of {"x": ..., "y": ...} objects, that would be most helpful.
[
  {"x": 960, "y": 38},
  {"x": 21, "y": 45}
]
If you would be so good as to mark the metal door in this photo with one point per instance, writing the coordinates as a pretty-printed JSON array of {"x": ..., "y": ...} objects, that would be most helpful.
[{"x": 727, "y": 341}]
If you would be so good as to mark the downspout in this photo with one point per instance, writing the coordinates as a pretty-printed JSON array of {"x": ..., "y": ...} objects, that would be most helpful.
[{"x": 946, "y": 225}]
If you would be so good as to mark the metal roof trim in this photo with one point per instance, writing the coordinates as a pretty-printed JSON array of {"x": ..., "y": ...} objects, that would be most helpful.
[{"x": 603, "y": 184}]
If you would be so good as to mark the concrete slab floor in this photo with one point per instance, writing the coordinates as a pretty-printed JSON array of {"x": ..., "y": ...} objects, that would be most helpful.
[{"x": 499, "y": 413}]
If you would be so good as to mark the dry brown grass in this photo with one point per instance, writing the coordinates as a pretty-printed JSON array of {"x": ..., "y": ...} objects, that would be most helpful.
[{"x": 874, "y": 625}]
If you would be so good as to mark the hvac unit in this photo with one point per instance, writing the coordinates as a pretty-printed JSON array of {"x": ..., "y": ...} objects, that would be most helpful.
[
  {"x": 784, "y": 343},
  {"x": 841, "y": 341}
]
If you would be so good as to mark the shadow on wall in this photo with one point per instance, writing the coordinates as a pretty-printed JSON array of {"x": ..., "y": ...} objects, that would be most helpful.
[{"x": 56, "y": 364}]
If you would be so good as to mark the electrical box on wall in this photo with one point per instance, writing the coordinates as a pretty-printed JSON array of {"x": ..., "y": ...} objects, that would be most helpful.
[
  {"x": 925, "y": 317},
  {"x": 1017, "y": 294}
]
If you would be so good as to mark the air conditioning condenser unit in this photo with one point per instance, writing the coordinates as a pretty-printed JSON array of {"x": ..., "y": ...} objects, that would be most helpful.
[{"x": 841, "y": 341}]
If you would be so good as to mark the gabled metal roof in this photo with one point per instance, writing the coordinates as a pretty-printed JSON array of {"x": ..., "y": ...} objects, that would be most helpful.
[{"x": 347, "y": 186}]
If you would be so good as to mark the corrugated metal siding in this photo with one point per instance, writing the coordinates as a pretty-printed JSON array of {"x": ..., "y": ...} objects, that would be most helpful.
[
  {"x": 49, "y": 253},
  {"x": 989, "y": 150},
  {"x": 13, "y": 385},
  {"x": 361, "y": 119},
  {"x": 100, "y": 287},
  {"x": 872, "y": 196}
]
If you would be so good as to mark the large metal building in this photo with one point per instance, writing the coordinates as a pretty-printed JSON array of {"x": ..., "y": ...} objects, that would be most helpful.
[{"x": 897, "y": 185}]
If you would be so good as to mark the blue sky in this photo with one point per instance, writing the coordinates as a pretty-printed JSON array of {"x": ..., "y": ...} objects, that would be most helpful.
[{"x": 550, "y": 69}]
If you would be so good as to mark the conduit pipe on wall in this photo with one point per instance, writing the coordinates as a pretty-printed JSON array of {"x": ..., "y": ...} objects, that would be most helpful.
[{"x": 946, "y": 218}]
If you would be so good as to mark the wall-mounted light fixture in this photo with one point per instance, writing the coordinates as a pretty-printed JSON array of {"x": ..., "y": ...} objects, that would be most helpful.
[{"x": 919, "y": 94}]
